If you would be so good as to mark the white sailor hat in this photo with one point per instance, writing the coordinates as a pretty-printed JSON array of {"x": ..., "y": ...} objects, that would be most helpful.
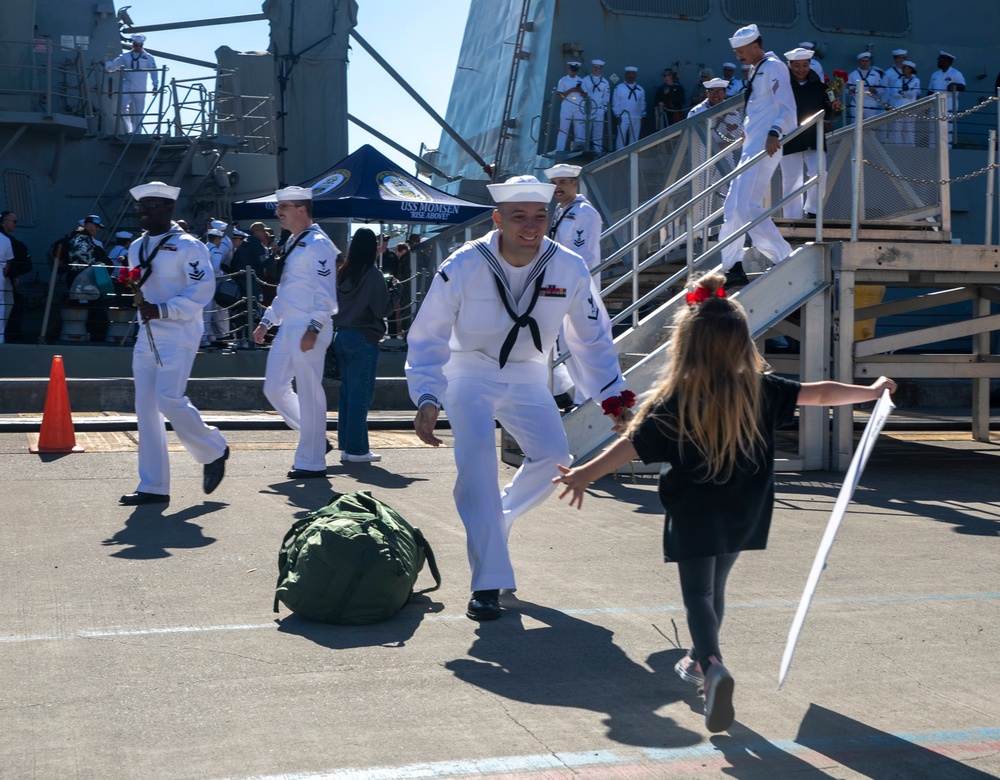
[
  {"x": 899, "y": 52},
  {"x": 597, "y": 62},
  {"x": 123, "y": 234},
  {"x": 631, "y": 69},
  {"x": 911, "y": 63},
  {"x": 214, "y": 232},
  {"x": 864, "y": 54},
  {"x": 294, "y": 193},
  {"x": 563, "y": 170},
  {"x": 946, "y": 54},
  {"x": 155, "y": 189},
  {"x": 573, "y": 64},
  {"x": 728, "y": 65},
  {"x": 218, "y": 224},
  {"x": 807, "y": 45},
  {"x": 237, "y": 233},
  {"x": 525, "y": 189},
  {"x": 744, "y": 35},
  {"x": 799, "y": 54},
  {"x": 138, "y": 38},
  {"x": 716, "y": 84}
]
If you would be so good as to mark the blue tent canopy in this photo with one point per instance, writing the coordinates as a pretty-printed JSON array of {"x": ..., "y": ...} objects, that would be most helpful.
[{"x": 367, "y": 186}]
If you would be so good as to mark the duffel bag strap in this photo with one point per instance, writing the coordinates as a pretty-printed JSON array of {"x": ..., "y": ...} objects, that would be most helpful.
[{"x": 431, "y": 562}]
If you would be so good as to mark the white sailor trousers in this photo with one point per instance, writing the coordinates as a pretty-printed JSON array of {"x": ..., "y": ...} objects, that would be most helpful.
[
  {"x": 530, "y": 415},
  {"x": 570, "y": 114},
  {"x": 792, "y": 178},
  {"x": 744, "y": 203},
  {"x": 304, "y": 408},
  {"x": 159, "y": 394}
]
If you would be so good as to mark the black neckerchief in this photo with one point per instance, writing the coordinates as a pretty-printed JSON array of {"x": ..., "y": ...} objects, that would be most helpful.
[
  {"x": 555, "y": 227},
  {"x": 748, "y": 89},
  {"x": 596, "y": 84},
  {"x": 520, "y": 320},
  {"x": 284, "y": 256},
  {"x": 631, "y": 91},
  {"x": 146, "y": 263}
]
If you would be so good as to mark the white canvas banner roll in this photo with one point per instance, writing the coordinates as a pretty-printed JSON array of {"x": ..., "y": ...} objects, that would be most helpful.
[{"x": 878, "y": 417}]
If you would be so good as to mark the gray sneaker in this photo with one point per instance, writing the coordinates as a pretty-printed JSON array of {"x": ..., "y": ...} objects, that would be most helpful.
[{"x": 689, "y": 670}]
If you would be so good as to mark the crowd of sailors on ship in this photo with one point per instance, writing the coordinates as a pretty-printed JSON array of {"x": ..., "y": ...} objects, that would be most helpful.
[{"x": 595, "y": 116}]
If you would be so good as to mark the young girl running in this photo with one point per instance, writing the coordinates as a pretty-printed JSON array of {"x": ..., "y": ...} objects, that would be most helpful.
[{"x": 710, "y": 421}]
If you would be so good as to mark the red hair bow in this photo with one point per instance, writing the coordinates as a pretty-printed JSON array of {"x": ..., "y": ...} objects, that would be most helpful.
[{"x": 703, "y": 294}]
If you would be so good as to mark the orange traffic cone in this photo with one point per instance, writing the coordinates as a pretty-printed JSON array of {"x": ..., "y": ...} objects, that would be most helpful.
[{"x": 57, "y": 421}]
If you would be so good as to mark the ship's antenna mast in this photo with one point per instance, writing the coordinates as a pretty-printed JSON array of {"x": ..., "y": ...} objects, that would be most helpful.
[{"x": 506, "y": 123}]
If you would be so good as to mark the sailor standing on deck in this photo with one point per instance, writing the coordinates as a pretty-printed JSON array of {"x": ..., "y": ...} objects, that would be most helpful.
[
  {"x": 176, "y": 283},
  {"x": 303, "y": 307},
  {"x": 136, "y": 63},
  {"x": 571, "y": 110},
  {"x": 479, "y": 347},
  {"x": 599, "y": 95},
  {"x": 770, "y": 114},
  {"x": 576, "y": 225},
  {"x": 950, "y": 81},
  {"x": 628, "y": 104}
]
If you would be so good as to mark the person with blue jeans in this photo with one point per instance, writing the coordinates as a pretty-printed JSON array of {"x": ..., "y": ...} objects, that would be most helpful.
[{"x": 366, "y": 298}]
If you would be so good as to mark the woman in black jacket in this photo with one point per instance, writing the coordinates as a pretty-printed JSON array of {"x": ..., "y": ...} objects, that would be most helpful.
[
  {"x": 811, "y": 95},
  {"x": 365, "y": 298}
]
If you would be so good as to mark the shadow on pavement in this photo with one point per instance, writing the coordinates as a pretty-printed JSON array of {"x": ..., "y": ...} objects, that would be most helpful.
[
  {"x": 874, "y": 753},
  {"x": 394, "y": 632},
  {"x": 751, "y": 755},
  {"x": 149, "y": 533},
  {"x": 568, "y": 662}
]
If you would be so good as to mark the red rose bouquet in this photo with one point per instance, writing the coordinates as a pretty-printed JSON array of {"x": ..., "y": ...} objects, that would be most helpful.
[{"x": 129, "y": 277}]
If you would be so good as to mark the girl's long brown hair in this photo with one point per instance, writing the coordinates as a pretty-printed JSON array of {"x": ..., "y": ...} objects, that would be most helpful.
[{"x": 713, "y": 371}]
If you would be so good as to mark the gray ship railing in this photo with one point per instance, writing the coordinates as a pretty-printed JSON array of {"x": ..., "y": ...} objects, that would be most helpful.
[{"x": 50, "y": 80}]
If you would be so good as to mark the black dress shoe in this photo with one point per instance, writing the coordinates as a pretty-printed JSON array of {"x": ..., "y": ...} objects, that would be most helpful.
[
  {"x": 307, "y": 474},
  {"x": 736, "y": 277},
  {"x": 137, "y": 498},
  {"x": 484, "y": 605},
  {"x": 215, "y": 471}
]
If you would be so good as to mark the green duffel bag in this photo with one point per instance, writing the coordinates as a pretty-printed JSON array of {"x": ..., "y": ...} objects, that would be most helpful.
[{"x": 355, "y": 561}]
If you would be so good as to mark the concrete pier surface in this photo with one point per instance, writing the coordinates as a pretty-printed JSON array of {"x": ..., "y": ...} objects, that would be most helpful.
[{"x": 140, "y": 642}]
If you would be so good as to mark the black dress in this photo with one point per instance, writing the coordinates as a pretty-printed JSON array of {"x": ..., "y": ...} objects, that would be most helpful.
[{"x": 715, "y": 518}]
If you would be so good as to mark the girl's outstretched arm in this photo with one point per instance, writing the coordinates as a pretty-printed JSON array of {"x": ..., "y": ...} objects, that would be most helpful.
[
  {"x": 577, "y": 479},
  {"x": 839, "y": 394}
]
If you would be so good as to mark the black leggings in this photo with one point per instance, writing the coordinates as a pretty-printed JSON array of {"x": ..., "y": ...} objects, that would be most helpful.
[{"x": 703, "y": 586}]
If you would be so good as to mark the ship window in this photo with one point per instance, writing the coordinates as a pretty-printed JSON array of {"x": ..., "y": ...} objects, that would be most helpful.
[
  {"x": 19, "y": 196},
  {"x": 772, "y": 13},
  {"x": 664, "y": 9},
  {"x": 886, "y": 17}
]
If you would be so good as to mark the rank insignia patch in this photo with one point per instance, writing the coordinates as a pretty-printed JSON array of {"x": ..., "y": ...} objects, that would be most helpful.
[
  {"x": 552, "y": 292},
  {"x": 579, "y": 240},
  {"x": 194, "y": 273}
]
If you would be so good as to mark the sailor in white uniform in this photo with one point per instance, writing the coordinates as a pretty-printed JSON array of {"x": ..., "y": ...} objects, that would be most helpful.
[
  {"x": 176, "y": 284},
  {"x": 628, "y": 105},
  {"x": 216, "y": 318},
  {"x": 950, "y": 81},
  {"x": 872, "y": 85},
  {"x": 907, "y": 93},
  {"x": 571, "y": 109},
  {"x": 726, "y": 128},
  {"x": 598, "y": 97},
  {"x": 226, "y": 244},
  {"x": 576, "y": 225},
  {"x": 136, "y": 64},
  {"x": 303, "y": 307},
  {"x": 480, "y": 346},
  {"x": 770, "y": 115},
  {"x": 814, "y": 64},
  {"x": 118, "y": 254},
  {"x": 736, "y": 83}
]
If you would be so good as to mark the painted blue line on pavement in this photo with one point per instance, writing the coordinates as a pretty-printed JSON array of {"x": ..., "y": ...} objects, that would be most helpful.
[
  {"x": 485, "y": 767},
  {"x": 889, "y": 599}
]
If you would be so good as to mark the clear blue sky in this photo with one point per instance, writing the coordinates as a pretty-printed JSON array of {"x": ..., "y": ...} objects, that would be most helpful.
[{"x": 419, "y": 38}]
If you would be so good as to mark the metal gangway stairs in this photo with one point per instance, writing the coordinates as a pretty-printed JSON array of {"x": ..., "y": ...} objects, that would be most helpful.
[{"x": 909, "y": 247}]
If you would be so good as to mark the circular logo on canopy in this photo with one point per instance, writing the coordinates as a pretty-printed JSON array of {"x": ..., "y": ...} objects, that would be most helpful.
[
  {"x": 331, "y": 182},
  {"x": 398, "y": 187}
]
